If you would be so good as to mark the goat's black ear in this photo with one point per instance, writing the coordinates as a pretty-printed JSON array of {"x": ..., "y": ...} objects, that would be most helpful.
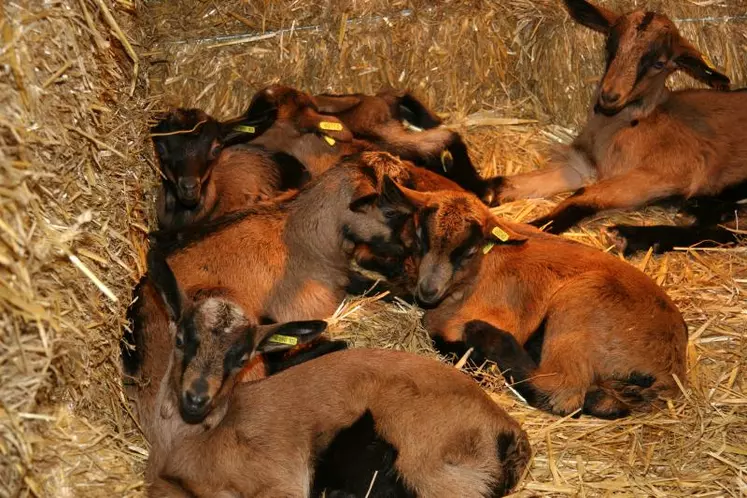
[
  {"x": 699, "y": 67},
  {"x": 334, "y": 104},
  {"x": 412, "y": 110},
  {"x": 591, "y": 16},
  {"x": 279, "y": 337},
  {"x": 164, "y": 280}
]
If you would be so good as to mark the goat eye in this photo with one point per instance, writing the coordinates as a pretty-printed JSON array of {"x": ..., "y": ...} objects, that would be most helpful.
[
  {"x": 179, "y": 341},
  {"x": 659, "y": 65}
]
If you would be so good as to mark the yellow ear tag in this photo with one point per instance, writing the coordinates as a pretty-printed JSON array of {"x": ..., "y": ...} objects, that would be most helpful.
[
  {"x": 283, "y": 339},
  {"x": 487, "y": 247},
  {"x": 245, "y": 129},
  {"x": 708, "y": 62},
  {"x": 330, "y": 126},
  {"x": 446, "y": 157},
  {"x": 500, "y": 234},
  {"x": 329, "y": 140}
]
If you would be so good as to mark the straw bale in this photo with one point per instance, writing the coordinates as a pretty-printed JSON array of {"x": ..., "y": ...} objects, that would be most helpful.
[{"x": 78, "y": 176}]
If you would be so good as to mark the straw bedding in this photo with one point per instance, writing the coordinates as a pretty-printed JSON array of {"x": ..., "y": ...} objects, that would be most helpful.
[{"x": 79, "y": 80}]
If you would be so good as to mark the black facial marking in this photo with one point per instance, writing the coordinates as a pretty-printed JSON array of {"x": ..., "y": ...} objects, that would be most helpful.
[
  {"x": 424, "y": 241},
  {"x": 459, "y": 255},
  {"x": 191, "y": 342},
  {"x": 232, "y": 361},
  {"x": 658, "y": 50},
  {"x": 613, "y": 43},
  {"x": 346, "y": 467},
  {"x": 646, "y": 22}
]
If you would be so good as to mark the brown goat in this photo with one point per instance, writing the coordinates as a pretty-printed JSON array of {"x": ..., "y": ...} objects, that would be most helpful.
[
  {"x": 397, "y": 122},
  {"x": 281, "y": 261},
  {"x": 574, "y": 327},
  {"x": 328, "y": 424},
  {"x": 644, "y": 143},
  {"x": 315, "y": 131},
  {"x": 203, "y": 180}
]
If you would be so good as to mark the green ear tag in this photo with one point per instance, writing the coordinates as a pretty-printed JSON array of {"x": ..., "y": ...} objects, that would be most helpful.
[
  {"x": 487, "y": 247},
  {"x": 245, "y": 128},
  {"x": 283, "y": 339},
  {"x": 330, "y": 126},
  {"x": 500, "y": 234}
]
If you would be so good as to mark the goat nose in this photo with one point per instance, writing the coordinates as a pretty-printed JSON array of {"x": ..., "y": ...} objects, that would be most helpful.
[
  {"x": 427, "y": 293},
  {"x": 610, "y": 98},
  {"x": 189, "y": 183},
  {"x": 195, "y": 399}
]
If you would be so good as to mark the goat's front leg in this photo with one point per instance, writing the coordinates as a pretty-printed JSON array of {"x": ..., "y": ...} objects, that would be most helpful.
[
  {"x": 627, "y": 191},
  {"x": 662, "y": 238},
  {"x": 568, "y": 172}
]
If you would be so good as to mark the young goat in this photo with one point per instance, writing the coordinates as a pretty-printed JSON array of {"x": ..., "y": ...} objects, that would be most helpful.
[
  {"x": 644, "y": 143},
  {"x": 203, "y": 180},
  {"x": 574, "y": 327},
  {"x": 410, "y": 425},
  {"x": 282, "y": 261},
  {"x": 319, "y": 140},
  {"x": 397, "y": 122}
]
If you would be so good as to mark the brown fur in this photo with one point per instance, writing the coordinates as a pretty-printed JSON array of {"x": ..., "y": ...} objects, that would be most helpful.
[
  {"x": 643, "y": 143},
  {"x": 443, "y": 425},
  {"x": 225, "y": 179},
  {"x": 603, "y": 320},
  {"x": 284, "y": 260}
]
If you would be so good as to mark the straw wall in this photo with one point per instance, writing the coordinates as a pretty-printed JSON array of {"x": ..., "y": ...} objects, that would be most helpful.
[{"x": 77, "y": 192}]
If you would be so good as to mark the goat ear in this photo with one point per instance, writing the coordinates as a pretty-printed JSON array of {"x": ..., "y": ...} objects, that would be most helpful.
[
  {"x": 164, "y": 280},
  {"x": 330, "y": 126},
  {"x": 279, "y": 337},
  {"x": 591, "y": 16},
  {"x": 335, "y": 104},
  {"x": 393, "y": 194},
  {"x": 501, "y": 233},
  {"x": 694, "y": 63},
  {"x": 364, "y": 195},
  {"x": 412, "y": 110}
]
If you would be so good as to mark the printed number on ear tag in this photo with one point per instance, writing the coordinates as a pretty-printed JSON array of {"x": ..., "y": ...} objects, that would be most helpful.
[
  {"x": 500, "y": 234},
  {"x": 447, "y": 160},
  {"x": 329, "y": 140},
  {"x": 283, "y": 339},
  {"x": 245, "y": 128},
  {"x": 330, "y": 126}
]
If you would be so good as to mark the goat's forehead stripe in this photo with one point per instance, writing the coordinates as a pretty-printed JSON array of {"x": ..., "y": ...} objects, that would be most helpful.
[{"x": 646, "y": 22}]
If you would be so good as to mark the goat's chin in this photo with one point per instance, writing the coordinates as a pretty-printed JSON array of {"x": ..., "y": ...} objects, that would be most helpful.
[{"x": 192, "y": 416}]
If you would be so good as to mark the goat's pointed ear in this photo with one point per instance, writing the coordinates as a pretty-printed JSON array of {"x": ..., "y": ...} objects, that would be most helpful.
[
  {"x": 412, "y": 110},
  {"x": 335, "y": 104},
  {"x": 591, "y": 16},
  {"x": 283, "y": 336},
  {"x": 694, "y": 63},
  {"x": 164, "y": 280},
  {"x": 395, "y": 195},
  {"x": 364, "y": 195},
  {"x": 502, "y": 233}
]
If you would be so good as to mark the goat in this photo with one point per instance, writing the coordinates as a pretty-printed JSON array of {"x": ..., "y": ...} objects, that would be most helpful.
[
  {"x": 282, "y": 261},
  {"x": 643, "y": 143},
  {"x": 319, "y": 140},
  {"x": 398, "y": 122},
  {"x": 574, "y": 327},
  {"x": 203, "y": 179},
  {"x": 327, "y": 424}
]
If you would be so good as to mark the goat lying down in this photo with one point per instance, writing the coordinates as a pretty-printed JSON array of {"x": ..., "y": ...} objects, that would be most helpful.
[
  {"x": 644, "y": 143},
  {"x": 280, "y": 260},
  {"x": 574, "y": 327},
  {"x": 204, "y": 178},
  {"x": 410, "y": 425}
]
